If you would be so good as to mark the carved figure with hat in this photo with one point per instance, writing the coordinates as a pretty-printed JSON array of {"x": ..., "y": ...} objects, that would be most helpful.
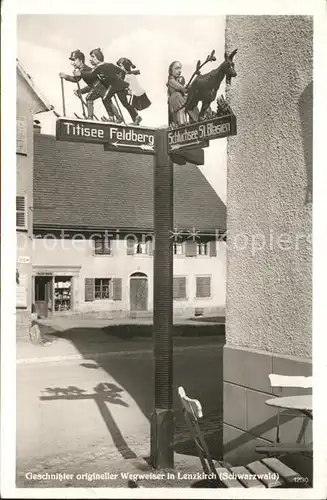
[{"x": 94, "y": 89}]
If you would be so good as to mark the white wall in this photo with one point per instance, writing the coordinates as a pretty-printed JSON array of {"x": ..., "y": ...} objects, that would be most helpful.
[{"x": 59, "y": 255}]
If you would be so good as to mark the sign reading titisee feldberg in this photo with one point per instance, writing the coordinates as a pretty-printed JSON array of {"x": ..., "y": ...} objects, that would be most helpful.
[
  {"x": 195, "y": 134},
  {"x": 115, "y": 137}
]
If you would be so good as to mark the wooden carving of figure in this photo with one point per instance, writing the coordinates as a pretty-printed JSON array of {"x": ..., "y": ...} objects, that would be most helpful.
[
  {"x": 110, "y": 76},
  {"x": 177, "y": 97},
  {"x": 204, "y": 88},
  {"x": 176, "y": 91},
  {"x": 94, "y": 89},
  {"x": 139, "y": 98}
]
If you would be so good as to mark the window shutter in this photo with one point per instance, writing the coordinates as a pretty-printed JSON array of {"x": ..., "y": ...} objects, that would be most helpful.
[
  {"x": 212, "y": 248},
  {"x": 150, "y": 247},
  {"x": 130, "y": 246},
  {"x": 179, "y": 289},
  {"x": 21, "y": 212},
  {"x": 89, "y": 289},
  {"x": 203, "y": 287},
  {"x": 190, "y": 248},
  {"x": 117, "y": 289}
]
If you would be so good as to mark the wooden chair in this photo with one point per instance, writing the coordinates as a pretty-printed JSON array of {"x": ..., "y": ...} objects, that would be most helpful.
[
  {"x": 277, "y": 448},
  {"x": 265, "y": 473}
]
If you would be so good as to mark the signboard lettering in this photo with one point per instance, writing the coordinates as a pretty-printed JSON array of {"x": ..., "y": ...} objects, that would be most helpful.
[
  {"x": 114, "y": 137},
  {"x": 23, "y": 259},
  {"x": 195, "y": 134}
]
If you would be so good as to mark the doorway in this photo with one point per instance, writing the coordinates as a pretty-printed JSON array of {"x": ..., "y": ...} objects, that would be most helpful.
[
  {"x": 138, "y": 292},
  {"x": 43, "y": 296}
]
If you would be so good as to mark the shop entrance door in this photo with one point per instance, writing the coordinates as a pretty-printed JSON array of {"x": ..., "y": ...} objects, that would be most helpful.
[{"x": 43, "y": 295}]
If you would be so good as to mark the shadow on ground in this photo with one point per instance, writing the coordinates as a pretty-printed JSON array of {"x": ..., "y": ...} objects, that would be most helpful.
[
  {"x": 103, "y": 393},
  {"x": 199, "y": 371}
]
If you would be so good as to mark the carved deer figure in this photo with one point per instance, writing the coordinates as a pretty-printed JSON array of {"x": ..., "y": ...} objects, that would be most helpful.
[{"x": 205, "y": 87}]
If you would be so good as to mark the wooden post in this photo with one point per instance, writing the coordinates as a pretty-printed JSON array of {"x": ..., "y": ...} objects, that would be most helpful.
[{"x": 162, "y": 421}]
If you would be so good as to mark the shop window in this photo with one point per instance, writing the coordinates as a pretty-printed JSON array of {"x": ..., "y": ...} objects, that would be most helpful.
[
  {"x": 203, "y": 287},
  {"x": 63, "y": 293}
]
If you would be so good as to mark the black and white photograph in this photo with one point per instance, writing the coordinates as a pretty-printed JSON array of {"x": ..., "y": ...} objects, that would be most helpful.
[{"x": 160, "y": 332}]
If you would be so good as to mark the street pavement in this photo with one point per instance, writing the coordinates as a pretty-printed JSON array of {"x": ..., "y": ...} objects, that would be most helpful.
[{"x": 89, "y": 411}]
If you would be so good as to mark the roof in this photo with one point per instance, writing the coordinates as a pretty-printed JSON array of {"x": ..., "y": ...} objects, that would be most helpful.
[
  {"x": 79, "y": 185},
  {"x": 45, "y": 104}
]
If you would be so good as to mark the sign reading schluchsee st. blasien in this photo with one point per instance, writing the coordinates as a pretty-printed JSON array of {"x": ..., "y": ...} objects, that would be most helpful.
[
  {"x": 195, "y": 134},
  {"x": 114, "y": 137}
]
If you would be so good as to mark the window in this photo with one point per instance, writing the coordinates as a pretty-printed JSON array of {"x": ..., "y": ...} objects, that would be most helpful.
[
  {"x": 202, "y": 249},
  {"x": 21, "y": 215},
  {"x": 203, "y": 286},
  {"x": 178, "y": 248},
  {"x": 179, "y": 291},
  {"x": 102, "y": 288},
  {"x": 102, "y": 246},
  {"x": 140, "y": 247}
]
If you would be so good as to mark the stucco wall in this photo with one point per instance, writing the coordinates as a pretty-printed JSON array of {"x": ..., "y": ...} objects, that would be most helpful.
[
  {"x": 268, "y": 303},
  {"x": 24, "y": 187},
  {"x": 56, "y": 255}
]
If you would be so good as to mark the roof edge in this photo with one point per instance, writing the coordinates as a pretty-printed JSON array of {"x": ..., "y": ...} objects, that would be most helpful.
[
  {"x": 29, "y": 81},
  {"x": 88, "y": 229}
]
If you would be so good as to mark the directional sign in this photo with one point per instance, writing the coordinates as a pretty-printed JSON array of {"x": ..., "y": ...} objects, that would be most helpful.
[
  {"x": 130, "y": 148},
  {"x": 115, "y": 137},
  {"x": 193, "y": 135}
]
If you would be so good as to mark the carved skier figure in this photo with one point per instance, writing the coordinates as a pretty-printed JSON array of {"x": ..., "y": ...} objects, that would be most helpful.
[
  {"x": 139, "y": 98},
  {"x": 111, "y": 76},
  {"x": 94, "y": 89}
]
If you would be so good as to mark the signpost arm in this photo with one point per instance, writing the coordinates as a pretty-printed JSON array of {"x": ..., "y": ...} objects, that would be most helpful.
[{"x": 162, "y": 421}]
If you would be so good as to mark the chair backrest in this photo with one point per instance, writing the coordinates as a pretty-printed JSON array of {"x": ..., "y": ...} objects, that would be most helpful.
[
  {"x": 277, "y": 380},
  {"x": 191, "y": 406},
  {"x": 192, "y": 410}
]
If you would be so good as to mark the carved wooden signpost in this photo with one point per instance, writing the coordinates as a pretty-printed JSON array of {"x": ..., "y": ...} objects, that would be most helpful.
[{"x": 182, "y": 142}]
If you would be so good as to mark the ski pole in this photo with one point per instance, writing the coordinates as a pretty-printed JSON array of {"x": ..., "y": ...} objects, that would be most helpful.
[{"x": 63, "y": 97}]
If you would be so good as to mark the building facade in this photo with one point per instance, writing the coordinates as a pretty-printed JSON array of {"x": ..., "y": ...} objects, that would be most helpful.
[
  {"x": 29, "y": 103},
  {"x": 268, "y": 305},
  {"x": 93, "y": 239}
]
